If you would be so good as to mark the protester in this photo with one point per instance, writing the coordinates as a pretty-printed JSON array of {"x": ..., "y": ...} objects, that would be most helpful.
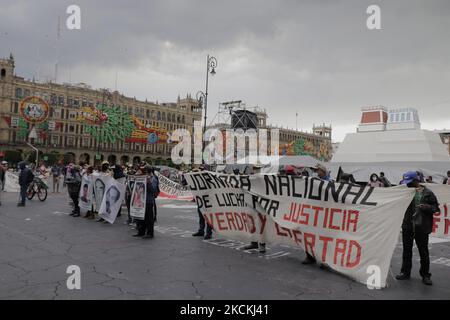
[
  {"x": 386, "y": 183},
  {"x": 56, "y": 172},
  {"x": 88, "y": 173},
  {"x": 119, "y": 175},
  {"x": 146, "y": 227},
  {"x": 157, "y": 191},
  {"x": 73, "y": 183},
  {"x": 346, "y": 178},
  {"x": 26, "y": 177},
  {"x": 104, "y": 171},
  {"x": 374, "y": 181},
  {"x": 201, "y": 221},
  {"x": 417, "y": 225},
  {"x": 128, "y": 193},
  {"x": 3, "y": 169},
  {"x": 447, "y": 179},
  {"x": 322, "y": 174},
  {"x": 254, "y": 244}
]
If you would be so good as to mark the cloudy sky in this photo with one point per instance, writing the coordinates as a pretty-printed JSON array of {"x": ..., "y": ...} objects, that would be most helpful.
[{"x": 313, "y": 57}]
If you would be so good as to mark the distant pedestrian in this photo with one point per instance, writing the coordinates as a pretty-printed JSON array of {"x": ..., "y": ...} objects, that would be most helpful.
[
  {"x": 429, "y": 179},
  {"x": 56, "y": 172},
  {"x": 26, "y": 177},
  {"x": 417, "y": 226}
]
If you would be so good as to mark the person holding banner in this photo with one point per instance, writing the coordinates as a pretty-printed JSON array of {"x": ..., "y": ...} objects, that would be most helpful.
[
  {"x": 86, "y": 194},
  {"x": 3, "y": 169},
  {"x": 322, "y": 174},
  {"x": 417, "y": 226},
  {"x": 201, "y": 221},
  {"x": 145, "y": 227}
]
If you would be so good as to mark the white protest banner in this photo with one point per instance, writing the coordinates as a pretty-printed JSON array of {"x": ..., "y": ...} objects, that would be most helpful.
[
  {"x": 441, "y": 220},
  {"x": 138, "y": 198},
  {"x": 350, "y": 228},
  {"x": 172, "y": 190},
  {"x": 86, "y": 193},
  {"x": 99, "y": 185},
  {"x": 11, "y": 182},
  {"x": 112, "y": 199}
]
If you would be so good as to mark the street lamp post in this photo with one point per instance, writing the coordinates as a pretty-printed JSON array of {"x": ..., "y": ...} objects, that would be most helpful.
[{"x": 202, "y": 97}]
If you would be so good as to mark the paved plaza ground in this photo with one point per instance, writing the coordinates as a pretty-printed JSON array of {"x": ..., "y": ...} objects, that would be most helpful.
[{"x": 39, "y": 242}]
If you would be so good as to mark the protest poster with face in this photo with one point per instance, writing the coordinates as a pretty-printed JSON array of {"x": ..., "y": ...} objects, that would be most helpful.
[
  {"x": 86, "y": 193},
  {"x": 100, "y": 181},
  {"x": 138, "y": 198},
  {"x": 112, "y": 200}
]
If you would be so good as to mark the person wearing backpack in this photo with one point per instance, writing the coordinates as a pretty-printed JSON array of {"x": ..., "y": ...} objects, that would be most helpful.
[{"x": 26, "y": 177}]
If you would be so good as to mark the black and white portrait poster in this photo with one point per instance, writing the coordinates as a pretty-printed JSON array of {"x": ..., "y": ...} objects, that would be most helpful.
[
  {"x": 138, "y": 198},
  {"x": 112, "y": 200},
  {"x": 86, "y": 193},
  {"x": 100, "y": 181}
]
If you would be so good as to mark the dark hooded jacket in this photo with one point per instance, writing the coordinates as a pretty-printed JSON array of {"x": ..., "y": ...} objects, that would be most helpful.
[
  {"x": 429, "y": 198},
  {"x": 25, "y": 176}
]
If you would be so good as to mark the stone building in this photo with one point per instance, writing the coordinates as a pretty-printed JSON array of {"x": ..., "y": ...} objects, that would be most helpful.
[{"x": 66, "y": 137}]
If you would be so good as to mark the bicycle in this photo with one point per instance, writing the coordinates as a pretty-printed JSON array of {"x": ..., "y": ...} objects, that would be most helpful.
[{"x": 37, "y": 187}]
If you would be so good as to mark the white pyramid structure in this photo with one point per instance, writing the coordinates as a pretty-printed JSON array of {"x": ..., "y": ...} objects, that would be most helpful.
[{"x": 391, "y": 141}]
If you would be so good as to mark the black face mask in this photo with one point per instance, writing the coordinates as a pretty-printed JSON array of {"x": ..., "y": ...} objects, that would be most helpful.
[{"x": 412, "y": 184}]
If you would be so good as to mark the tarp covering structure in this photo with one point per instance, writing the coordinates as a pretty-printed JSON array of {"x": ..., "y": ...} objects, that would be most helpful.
[
  {"x": 393, "y": 152},
  {"x": 270, "y": 164}
]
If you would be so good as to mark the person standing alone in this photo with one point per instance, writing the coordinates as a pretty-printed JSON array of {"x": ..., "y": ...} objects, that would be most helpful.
[
  {"x": 56, "y": 173},
  {"x": 25, "y": 179},
  {"x": 417, "y": 226},
  {"x": 73, "y": 187}
]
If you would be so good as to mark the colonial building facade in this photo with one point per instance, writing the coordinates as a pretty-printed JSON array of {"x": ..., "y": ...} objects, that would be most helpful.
[
  {"x": 66, "y": 136},
  {"x": 291, "y": 142}
]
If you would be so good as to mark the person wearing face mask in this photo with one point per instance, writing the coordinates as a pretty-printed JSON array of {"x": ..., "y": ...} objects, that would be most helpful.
[
  {"x": 417, "y": 226},
  {"x": 374, "y": 181}
]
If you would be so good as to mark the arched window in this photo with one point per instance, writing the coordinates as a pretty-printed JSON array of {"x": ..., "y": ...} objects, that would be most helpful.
[
  {"x": 3, "y": 73},
  {"x": 18, "y": 93}
]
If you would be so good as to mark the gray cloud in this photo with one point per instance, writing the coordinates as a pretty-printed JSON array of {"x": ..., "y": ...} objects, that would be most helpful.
[{"x": 316, "y": 58}]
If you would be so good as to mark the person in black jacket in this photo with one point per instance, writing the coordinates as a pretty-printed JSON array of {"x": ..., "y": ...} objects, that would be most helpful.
[
  {"x": 73, "y": 183},
  {"x": 447, "y": 179},
  {"x": 417, "y": 225},
  {"x": 25, "y": 178}
]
